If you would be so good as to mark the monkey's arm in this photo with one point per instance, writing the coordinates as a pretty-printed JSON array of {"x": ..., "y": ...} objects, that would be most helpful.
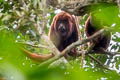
[{"x": 37, "y": 57}]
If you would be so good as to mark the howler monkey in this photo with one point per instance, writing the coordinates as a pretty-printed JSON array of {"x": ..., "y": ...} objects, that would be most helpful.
[
  {"x": 63, "y": 31},
  {"x": 100, "y": 43}
]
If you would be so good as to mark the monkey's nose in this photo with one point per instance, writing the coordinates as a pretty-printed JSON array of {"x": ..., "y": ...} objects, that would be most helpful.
[{"x": 62, "y": 28}]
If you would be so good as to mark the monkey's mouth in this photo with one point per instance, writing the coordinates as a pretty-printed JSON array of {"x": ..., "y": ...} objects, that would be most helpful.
[
  {"x": 63, "y": 33},
  {"x": 62, "y": 29}
]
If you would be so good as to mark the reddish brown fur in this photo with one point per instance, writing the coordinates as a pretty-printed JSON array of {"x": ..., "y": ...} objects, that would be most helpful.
[
  {"x": 72, "y": 33},
  {"x": 101, "y": 42},
  {"x": 37, "y": 57},
  {"x": 60, "y": 42}
]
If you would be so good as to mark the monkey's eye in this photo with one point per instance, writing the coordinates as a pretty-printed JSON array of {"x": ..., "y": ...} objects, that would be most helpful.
[
  {"x": 65, "y": 20},
  {"x": 59, "y": 21}
]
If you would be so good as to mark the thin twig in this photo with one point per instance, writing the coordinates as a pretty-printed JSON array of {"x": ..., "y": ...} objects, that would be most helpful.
[
  {"x": 100, "y": 63},
  {"x": 80, "y": 37}
]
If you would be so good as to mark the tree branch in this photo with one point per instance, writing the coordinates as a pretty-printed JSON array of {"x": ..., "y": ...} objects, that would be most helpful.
[
  {"x": 67, "y": 50},
  {"x": 77, "y": 8}
]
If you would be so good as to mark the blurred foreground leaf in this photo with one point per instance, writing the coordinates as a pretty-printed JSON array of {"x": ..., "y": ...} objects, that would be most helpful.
[{"x": 106, "y": 15}]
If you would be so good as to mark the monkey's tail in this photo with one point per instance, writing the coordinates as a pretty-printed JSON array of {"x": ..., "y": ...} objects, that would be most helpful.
[{"x": 37, "y": 57}]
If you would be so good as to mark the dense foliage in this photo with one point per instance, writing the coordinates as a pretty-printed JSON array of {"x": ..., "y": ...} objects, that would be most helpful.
[{"x": 18, "y": 20}]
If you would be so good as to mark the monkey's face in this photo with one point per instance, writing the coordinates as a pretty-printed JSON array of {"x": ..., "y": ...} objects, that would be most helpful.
[{"x": 62, "y": 27}]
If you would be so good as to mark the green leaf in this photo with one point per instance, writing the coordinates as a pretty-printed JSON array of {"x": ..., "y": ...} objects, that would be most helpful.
[{"x": 106, "y": 15}]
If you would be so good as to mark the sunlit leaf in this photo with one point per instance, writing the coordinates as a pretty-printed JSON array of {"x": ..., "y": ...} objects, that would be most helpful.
[{"x": 106, "y": 15}]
